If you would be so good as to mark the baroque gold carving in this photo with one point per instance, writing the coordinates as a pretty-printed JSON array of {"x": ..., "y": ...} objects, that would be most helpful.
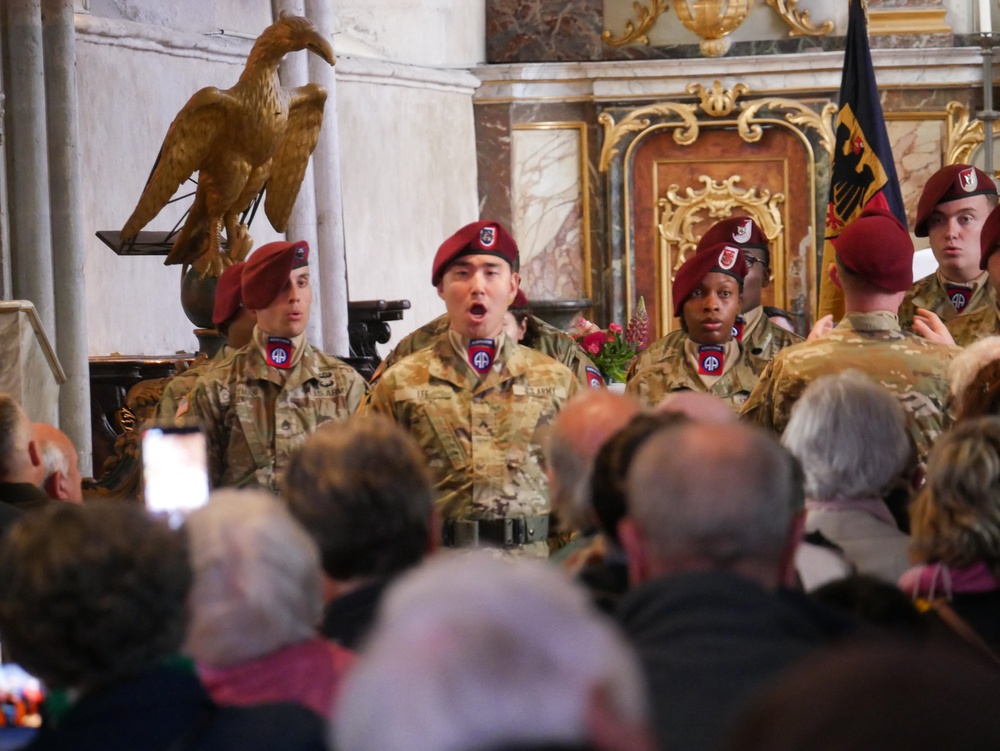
[
  {"x": 718, "y": 102},
  {"x": 963, "y": 136},
  {"x": 636, "y": 32},
  {"x": 799, "y": 21},
  {"x": 748, "y": 124},
  {"x": 637, "y": 120},
  {"x": 707, "y": 19}
]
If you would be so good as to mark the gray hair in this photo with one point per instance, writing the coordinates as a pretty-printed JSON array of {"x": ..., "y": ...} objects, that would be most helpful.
[
  {"x": 53, "y": 459},
  {"x": 727, "y": 493},
  {"x": 850, "y": 435},
  {"x": 963, "y": 369},
  {"x": 256, "y": 578},
  {"x": 470, "y": 651}
]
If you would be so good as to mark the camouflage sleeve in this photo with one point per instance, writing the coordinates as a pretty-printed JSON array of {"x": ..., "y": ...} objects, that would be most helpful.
[
  {"x": 166, "y": 408},
  {"x": 357, "y": 389},
  {"x": 379, "y": 400},
  {"x": 759, "y": 406},
  {"x": 206, "y": 407}
]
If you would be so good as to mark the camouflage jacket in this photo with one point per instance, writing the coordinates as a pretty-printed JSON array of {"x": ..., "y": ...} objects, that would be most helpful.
[
  {"x": 663, "y": 368},
  {"x": 178, "y": 387},
  {"x": 930, "y": 293},
  {"x": 255, "y": 415},
  {"x": 765, "y": 340},
  {"x": 551, "y": 341},
  {"x": 911, "y": 367},
  {"x": 981, "y": 323},
  {"x": 483, "y": 440}
]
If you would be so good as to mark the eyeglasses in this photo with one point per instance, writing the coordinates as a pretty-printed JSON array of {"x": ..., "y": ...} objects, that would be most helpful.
[{"x": 752, "y": 260}]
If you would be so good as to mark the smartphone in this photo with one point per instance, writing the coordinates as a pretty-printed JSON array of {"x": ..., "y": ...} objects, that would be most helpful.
[{"x": 174, "y": 471}]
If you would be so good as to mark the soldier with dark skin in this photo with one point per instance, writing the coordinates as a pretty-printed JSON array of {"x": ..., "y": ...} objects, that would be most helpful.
[
  {"x": 704, "y": 355},
  {"x": 262, "y": 402},
  {"x": 477, "y": 403},
  {"x": 874, "y": 268},
  {"x": 952, "y": 209}
]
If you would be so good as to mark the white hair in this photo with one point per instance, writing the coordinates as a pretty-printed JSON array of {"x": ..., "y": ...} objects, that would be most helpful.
[
  {"x": 963, "y": 369},
  {"x": 53, "y": 459},
  {"x": 474, "y": 652},
  {"x": 256, "y": 578},
  {"x": 849, "y": 433}
]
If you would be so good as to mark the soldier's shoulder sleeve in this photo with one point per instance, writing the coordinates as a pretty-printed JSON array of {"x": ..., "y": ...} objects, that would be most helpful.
[{"x": 759, "y": 406}]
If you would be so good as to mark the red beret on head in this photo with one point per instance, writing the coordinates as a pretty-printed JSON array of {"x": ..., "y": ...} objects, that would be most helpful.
[
  {"x": 725, "y": 258},
  {"x": 950, "y": 184},
  {"x": 478, "y": 238},
  {"x": 736, "y": 230},
  {"x": 877, "y": 247},
  {"x": 268, "y": 269},
  {"x": 520, "y": 300},
  {"x": 228, "y": 294},
  {"x": 989, "y": 237}
]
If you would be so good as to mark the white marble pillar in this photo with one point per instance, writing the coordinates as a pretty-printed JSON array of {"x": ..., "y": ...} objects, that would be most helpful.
[{"x": 67, "y": 224}]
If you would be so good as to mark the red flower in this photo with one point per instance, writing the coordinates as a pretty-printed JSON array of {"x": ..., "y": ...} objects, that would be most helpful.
[
  {"x": 592, "y": 343},
  {"x": 614, "y": 328}
]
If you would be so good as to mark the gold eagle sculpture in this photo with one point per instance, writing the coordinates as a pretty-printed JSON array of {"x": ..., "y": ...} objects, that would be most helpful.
[{"x": 239, "y": 141}]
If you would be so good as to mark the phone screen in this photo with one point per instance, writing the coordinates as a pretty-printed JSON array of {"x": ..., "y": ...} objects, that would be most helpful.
[
  {"x": 21, "y": 697},
  {"x": 174, "y": 470}
]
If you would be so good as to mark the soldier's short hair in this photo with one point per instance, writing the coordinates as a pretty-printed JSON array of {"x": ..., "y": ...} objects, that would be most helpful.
[
  {"x": 362, "y": 491},
  {"x": 474, "y": 652},
  {"x": 849, "y": 433},
  {"x": 725, "y": 493},
  {"x": 256, "y": 578},
  {"x": 92, "y": 594},
  {"x": 955, "y": 519}
]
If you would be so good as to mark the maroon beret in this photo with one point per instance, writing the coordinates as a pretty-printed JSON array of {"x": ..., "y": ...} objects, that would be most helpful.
[
  {"x": 478, "y": 238},
  {"x": 228, "y": 294},
  {"x": 989, "y": 237},
  {"x": 268, "y": 269},
  {"x": 735, "y": 230},
  {"x": 950, "y": 184},
  {"x": 877, "y": 247},
  {"x": 520, "y": 300},
  {"x": 725, "y": 258}
]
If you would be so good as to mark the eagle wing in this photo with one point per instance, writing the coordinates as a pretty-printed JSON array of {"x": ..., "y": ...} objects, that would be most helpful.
[
  {"x": 188, "y": 142},
  {"x": 288, "y": 166}
]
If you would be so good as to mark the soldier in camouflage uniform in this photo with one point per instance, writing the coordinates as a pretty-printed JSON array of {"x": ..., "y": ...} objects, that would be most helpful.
[
  {"x": 874, "y": 268},
  {"x": 477, "y": 403},
  {"x": 262, "y": 402},
  {"x": 984, "y": 322},
  {"x": 547, "y": 339},
  {"x": 704, "y": 355},
  {"x": 952, "y": 208},
  {"x": 233, "y": 322}
]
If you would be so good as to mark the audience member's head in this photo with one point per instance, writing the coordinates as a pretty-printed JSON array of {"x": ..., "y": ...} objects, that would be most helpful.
[
  {"x": 982, "y": 396},
  {"x": 20, "y": 460},
  {"x": 473, "y": 652},
  {"x": 61, "y": 480},
  {"x": 891, "y": 697},
  {"x": 361, "y": 489},
  {"x": 256, "y": 578},
  {"x": 579, "y": 431},
  {"x": 962, "y": 370},
  {"x": 712, "y": 497},
  {"x": 875, "y": 602},
  {"x": 699, "y": 406},
  {"x": 91, "y": 594},
  {"x": 608, "y": 488},
  {"x": 849, "y": 433},
  {"x": 955, "y": 519}
]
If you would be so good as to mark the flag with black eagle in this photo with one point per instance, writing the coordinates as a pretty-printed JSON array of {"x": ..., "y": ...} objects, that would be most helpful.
[{"x": 863, "y": 170}]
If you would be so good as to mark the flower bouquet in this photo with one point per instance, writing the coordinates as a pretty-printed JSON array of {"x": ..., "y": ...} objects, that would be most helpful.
[{"x": 613, "y": 349}]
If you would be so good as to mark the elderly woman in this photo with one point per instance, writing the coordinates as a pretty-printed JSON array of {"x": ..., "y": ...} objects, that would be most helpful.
[
  {"x": 849, "y": 434},
  {"x": 955, "y": 528},
  {"x": 704, "y": 355},
  {"x": 256, "y": 603}
]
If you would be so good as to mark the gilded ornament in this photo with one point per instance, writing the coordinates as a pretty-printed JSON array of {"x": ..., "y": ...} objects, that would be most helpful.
[
  {"x": 963, "y": 136},
  {"x": 685, "y": 131},
  {"x": 636, "y": 32},
  {"x": 713, "y": 21},
  {"x": 718, "y": 102},
  {"x": 800, "y": 23},
  {"x": 748, "y": 123}
]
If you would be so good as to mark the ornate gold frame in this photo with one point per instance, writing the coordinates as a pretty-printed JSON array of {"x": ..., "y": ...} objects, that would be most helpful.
[{"x": 581, "y": 128}]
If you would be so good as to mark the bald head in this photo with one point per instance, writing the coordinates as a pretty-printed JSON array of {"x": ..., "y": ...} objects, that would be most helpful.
[
  {"x": 61, "y": 478},
  {"x": 580, "y": 429},
  {"x": 713, "y": 496}
]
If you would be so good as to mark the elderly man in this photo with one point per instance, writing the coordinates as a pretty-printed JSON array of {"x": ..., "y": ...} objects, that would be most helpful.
[
  {"x": 713, "y": 521},
  {"x": 952, "y": 208},
  {"x": 470, "y": 652},
  {"x": 61, "y": 480},
  {"x": 362, "y": 492},
  {"x": 276, "y": 390},
  {"x": 20, "y": 463},
  {"x": 477, "y": 403},
  {"x": 874, "y": 268}
]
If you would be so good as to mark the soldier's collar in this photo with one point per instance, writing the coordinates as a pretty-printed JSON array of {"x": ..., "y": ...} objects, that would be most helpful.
[
  {"x": 975, "y": 285},
  {"x": 296, "y": 346},
  {"x": 751, "y": 318},
  {"x": 876, "y": 320}
]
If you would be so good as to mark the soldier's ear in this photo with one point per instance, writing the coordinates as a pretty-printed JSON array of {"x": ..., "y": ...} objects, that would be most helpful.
[{"x": 834, "y": 275}]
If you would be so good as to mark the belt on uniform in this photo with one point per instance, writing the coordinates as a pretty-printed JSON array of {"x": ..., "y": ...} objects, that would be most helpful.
[{"x": 509, "y": 532}]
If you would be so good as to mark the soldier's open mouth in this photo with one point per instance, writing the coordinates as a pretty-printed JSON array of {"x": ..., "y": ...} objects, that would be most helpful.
[{"x": 478, "y": 309}]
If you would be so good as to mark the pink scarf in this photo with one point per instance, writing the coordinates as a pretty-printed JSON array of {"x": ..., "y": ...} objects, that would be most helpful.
[
  {"x": 310, "y": 672},
  {"x": 934, "y": 580}
]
